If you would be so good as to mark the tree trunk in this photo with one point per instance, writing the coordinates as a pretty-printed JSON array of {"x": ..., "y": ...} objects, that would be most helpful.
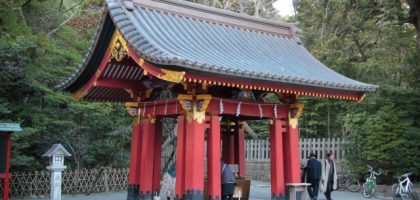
[
  {"x": 414, "y": 18},
  {"x": 257, "y": 8}
]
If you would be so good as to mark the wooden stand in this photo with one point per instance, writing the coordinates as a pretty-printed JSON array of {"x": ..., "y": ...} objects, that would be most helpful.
[
  {"x": 242, "y": 189},
  {"x": 296, "y": 191}
]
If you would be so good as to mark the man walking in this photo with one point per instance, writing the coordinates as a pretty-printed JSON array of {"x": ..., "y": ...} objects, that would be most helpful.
[
  {"x": 313, "y": 175},
  {"x": 329, "y": 175},
  {"x": 228, "y": 182}
]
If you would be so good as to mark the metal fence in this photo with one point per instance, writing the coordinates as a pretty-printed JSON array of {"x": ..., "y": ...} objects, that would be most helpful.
[{"x": 37, "y": 183}]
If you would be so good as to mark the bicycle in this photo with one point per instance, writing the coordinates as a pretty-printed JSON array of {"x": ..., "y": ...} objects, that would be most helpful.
[
  {"x": 370, "y": 185},
  {"x": 349, "y": 181},
  {"x": 404, "y": 188}
]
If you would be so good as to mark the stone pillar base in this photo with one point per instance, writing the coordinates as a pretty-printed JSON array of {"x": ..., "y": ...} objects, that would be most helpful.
[{"x": 133, "y": 192}]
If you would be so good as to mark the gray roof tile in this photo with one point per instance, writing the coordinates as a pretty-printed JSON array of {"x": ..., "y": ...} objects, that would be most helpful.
[
  {"x": 194, "y": 37},
  {"x": 194, "y": 42},
  {"x": 10, "y": 127}
]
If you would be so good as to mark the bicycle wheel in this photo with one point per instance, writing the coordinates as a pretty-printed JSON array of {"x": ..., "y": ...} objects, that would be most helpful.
[
  {"x": 412, "y": 193},
  {"x": 414, "y": 196},
  {"x": 353, "y": 185},
  {"x": 368, "y": 191},
  {"x": 396, "y": 191}
]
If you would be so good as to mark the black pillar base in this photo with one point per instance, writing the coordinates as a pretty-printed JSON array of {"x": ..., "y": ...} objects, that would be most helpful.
[
  {"x": 214, "y": 198},
  {"x": 278, "y": 197},
  {"x": 133, "y": 192},
  {"x": 191, "y": 195},
  {"x": 147, "y": 195}
]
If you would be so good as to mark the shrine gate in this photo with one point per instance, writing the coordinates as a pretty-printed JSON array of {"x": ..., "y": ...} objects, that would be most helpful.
[{"x": 211, "y": 69}]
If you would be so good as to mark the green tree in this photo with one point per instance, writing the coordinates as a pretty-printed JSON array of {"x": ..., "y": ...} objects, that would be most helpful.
[
  {"x": 366, "y": 40},
  {"x": 41, "y": 43}
]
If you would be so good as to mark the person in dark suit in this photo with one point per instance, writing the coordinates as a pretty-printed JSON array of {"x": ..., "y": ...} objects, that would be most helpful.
[{"x": 313, "y": 175}]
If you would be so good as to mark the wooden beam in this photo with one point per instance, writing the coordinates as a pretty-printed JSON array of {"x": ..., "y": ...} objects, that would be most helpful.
[{"x": 249, "y": 130}]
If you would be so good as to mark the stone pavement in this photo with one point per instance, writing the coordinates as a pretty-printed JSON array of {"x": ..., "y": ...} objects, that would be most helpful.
[{"x": 259, "y": 191}]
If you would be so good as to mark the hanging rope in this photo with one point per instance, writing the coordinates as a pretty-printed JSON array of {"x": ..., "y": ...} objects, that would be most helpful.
[
  {"x": 176, "y": 107},
  {"x": 261, "y": 112},
  {"x": 275, "y": 111},
  {"x": 154, "y": 108},
  {"x": 144, "y": 108},
  {"x": 166, "y": 105},
  {"x": 238, "y": 109},
  {"x": 221, "y": 108}
]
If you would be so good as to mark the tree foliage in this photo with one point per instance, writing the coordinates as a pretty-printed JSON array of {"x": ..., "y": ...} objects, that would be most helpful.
[
  {"x": 366, "y": 40},
  {"x": 43, "y": 42},
  {"x": 37, "y": 51}
]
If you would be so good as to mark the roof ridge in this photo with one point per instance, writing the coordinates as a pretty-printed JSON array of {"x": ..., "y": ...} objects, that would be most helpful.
[{"x": 216, "y": 15}]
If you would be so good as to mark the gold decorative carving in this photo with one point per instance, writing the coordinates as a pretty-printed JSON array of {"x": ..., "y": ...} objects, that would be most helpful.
[
  {"x": 152, "y": 119},
  {"x": 203, "y": 101},
  {"x": 134, "y": 111},
  {"x": 130, "y": 92},
  {"x": 141, "y": 62},
  {"x": 131, "y": 104},
  {"x": 294, "y": 113},
  {"x": 79, "y": 94},
  {"x": 204, "y": 86},
  {"x": 98, "y": 73},
  {"x": 171, "y": 76},
  {"x": 149, "y": 92},
  {"x": 118, "y": 47},
  {"x": 361, "y": 98},
  {"x": 195, "y": 109}
]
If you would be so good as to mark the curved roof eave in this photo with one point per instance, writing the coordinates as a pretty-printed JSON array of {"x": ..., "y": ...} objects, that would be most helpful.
[
  {"x": 161, "y": 33},
  {"x": 138, "y": 23},
  {"x": 93, "y": 57}
]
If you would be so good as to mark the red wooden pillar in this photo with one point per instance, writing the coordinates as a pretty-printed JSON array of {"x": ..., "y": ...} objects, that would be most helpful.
[
  {"x": 7, "y": 172},
  {"x": 147, "y": 158},
  {"x": 276, "y": 160},
  {"x": 228, "y": 149},
  {"x": 134, "y": 173},
  {"x": 291, "y": 155},
  {"x": 180, "y": 158},
  {"x": 157, "y": 156},
  {"x": 240, "y": 149},
  {"x": 213, "y": 159},
  {"x": 194, "y": 159}
]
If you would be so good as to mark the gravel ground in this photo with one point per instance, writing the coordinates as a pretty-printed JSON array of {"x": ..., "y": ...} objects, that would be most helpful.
[{"x": 259, "y": 191}]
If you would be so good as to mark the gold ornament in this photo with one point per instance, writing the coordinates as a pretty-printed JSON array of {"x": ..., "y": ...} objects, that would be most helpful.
[
  {"x": 171, "y": 76},
  {"x": 118, "y": 47},
  {"x": 294, "y": 114},
  {"x": 195, "y": 109}
]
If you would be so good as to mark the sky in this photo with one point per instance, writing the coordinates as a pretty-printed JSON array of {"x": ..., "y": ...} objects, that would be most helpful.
[{"x": 285, "y": 7}]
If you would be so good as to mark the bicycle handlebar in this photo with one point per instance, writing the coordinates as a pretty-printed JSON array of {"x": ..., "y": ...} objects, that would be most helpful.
[
  {"x": 405, "y": 175},
  {"x": 373, "y": 172}
]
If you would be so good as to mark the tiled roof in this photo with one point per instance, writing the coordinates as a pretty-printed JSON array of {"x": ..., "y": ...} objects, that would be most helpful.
[
  {"x": 192, "y": 37},
  {"x": 10, "y": 127},
  {"x": 56, "y": 149}
]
